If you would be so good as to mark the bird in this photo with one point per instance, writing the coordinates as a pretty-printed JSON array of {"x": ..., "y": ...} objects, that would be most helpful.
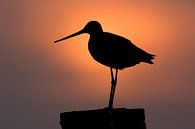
[{"x": 113, "y": 51}]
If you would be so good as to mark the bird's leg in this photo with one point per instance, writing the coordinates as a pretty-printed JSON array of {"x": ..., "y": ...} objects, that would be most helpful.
[
  {"x": 112, "y": 77},
  {"x": 114, "y": 85},
  {"x": 111, "y": 91}
]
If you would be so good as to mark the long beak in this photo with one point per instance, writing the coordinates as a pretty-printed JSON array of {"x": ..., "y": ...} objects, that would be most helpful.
[{"x": 72, "y": 35}]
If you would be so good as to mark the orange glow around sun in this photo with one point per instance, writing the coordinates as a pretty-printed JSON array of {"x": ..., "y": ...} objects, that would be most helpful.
[
  {"x": 77, "y": 46},
  {"x": 147, "y": 26}
]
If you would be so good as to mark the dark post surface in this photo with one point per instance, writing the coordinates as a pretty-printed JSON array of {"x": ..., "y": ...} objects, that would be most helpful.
[{"x": 119, "y": 118}]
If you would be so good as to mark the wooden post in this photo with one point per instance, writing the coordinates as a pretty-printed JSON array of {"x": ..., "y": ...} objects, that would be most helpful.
[{"x": 119, "y": 118}]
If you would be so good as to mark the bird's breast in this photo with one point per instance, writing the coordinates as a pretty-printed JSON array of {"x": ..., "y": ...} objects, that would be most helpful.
[
  {"x": 99, "y": 50},
  {"x": 95, "y": 48}
]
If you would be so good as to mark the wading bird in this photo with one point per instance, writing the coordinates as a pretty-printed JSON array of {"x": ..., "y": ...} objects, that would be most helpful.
[{"x": 113, "y": 51}]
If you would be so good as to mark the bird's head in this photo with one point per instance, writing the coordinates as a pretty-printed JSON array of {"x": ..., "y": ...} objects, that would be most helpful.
[{"x": 92, "y": 27}]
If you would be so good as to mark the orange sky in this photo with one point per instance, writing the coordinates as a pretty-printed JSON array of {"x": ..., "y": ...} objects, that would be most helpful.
[{"x": 40, "y": 79}]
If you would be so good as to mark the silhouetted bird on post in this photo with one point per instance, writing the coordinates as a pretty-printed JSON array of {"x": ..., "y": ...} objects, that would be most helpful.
[{"x": 113, "y": 51}]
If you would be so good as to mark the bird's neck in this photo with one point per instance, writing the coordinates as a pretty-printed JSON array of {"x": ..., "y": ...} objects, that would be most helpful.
[{"x": 96, "y": 33}]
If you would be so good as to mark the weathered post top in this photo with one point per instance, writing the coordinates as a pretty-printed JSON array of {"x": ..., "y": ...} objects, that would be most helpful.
[{"x": 119, "y": 118}]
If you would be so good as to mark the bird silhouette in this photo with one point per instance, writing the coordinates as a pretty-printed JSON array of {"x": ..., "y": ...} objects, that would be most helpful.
[{"x": 113, "y": 51}]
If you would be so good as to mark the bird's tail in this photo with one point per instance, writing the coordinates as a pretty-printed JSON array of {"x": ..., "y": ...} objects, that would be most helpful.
[{"x": 149, "y": 58}]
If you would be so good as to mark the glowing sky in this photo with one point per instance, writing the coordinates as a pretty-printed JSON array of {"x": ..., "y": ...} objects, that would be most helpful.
[{"x": 39, "y": 79}]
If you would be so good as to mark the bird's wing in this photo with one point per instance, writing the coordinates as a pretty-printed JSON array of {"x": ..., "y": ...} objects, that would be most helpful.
[{"x": 121, "y": 47}]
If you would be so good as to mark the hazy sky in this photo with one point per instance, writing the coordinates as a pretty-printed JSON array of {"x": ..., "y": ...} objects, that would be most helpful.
[{"x": 39, "y": 79}]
